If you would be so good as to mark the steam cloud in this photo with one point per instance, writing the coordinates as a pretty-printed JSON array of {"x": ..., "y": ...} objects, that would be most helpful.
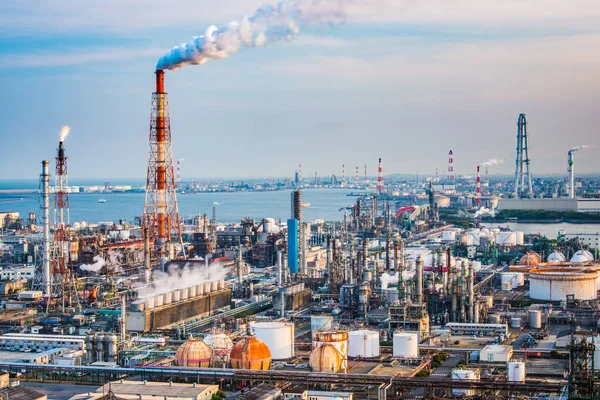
[
  {"x": 387, "y": 279},
  {"x": 491, "y": 162},
  {"x": 269, "y": 24},
  {"x": 64, "y": 132},
  {"x": 485, "y": 212},
  {"x": 180, "y": 278},
  {"x": 582, "y": 147},
  {"x": 99, "y": 262}
]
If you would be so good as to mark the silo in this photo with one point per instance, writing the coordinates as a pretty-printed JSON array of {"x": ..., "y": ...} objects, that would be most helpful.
[
  {"x": 200, "y": 289},
  {"x": 185, "y": 293},
  {"x": 192, "y": 292},
  {"x": 516, "y": 322},
  {"x": 167, "y": 298},
  {"x": 158, "y": 300},
  {"x": 363, "y": 344},
  {"x": 214, "y": 286},
  {"x": 405, "y": 345},
  {"x": 535, "y": 319},
  {"x": 176, "y": 295}
]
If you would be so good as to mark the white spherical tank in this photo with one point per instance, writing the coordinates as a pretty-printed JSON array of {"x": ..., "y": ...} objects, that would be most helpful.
[
  {"x": 363, "y": 344},
  {"x": 278, "y": 336},
  {"x": 506, "y": 239},
  {"x": 554, "y": 284},
  {"x": 464, "y": 375},
  {"x": 405, "y": 345},
  {"x": 320, "y": 323},
  {"x": 516, "y": 371},
  {"x": 535, "y": 319}
]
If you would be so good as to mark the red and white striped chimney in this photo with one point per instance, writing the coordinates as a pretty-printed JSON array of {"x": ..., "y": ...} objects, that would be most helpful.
[
  {"x": 380, "y": 179},
  {"x": 357, "y": 178},
  {"x": 478, "y": 190},
  {"x": 450, "y": 167},
  {"x": 178, "y": 176}
]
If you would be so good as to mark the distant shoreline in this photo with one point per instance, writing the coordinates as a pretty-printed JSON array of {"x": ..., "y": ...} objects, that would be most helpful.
[{"x": 18, "y": 191}]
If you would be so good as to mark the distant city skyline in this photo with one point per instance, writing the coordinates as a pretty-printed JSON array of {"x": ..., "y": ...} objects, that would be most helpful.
[{"x": 400, "y": 80}]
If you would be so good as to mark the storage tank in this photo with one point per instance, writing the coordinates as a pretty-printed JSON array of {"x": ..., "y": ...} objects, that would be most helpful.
[
  {"x": 516, "y": 371},
  {"x": 221, "y": 345},
  {"x": 278, "y": 336},
  {"x": 320, "y": 323},
  {"x": 367, "y": 276},
  {"x": 214, "y": 286},
  {"x": 326, "y": 358},
  {"x": 506, "y": 239},
  {"x": 520, "y": 238},
  {"x": 507, "y": 286},
  {"x": 185, "y": 293},
  {"x": 582, "y": 256},
  {"x": 531, "y": 259},
  {"x": 448, "y": 236},
  {"x": 363, "y": 344},
  {"x": 168, "y": 298},
  {"x": 193, "y": 353},
  {"x": 464, "y": 375},
  {"x": 158, "y": 300},
  {"x": 192, "y": 292},
  {"x": 554, "y": 284},
  {"x": 338, "y": 339},
  {"x": 556, "y": 256},
  {"x": 535, "y": 319},
  {"x": 494, "y": 318},
  {"x": 520, "y": 279},
  {"x": 112, "y": 347},
  {"x": 515, "y": 322},
  {"x": 250, "y": 353},
  {"x": 510, "y": 277},
  {"x": 405, "y": 345},
  {"x": 207, "y": 287}
]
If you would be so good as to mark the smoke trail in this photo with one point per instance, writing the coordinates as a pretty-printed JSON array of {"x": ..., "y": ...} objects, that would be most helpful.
[
  {"x": 491, "y": 162},
  {"x": 96, "y": 266},
  {"x": 484, "y": 212},
  {"x": 64, "y": 132},
  {"x": 269, "y": 24},
  {"x": 582, "y": 147}
]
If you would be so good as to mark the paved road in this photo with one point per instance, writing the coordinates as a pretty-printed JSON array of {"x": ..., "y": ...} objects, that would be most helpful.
[{"x": 59, "y": 391}]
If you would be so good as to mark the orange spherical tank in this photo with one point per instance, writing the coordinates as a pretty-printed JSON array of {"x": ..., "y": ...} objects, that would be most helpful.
[
  {"x": 193, "y": 353},
  {"x": 250, "y": 353},
  {"x": 531, "y": 259}
]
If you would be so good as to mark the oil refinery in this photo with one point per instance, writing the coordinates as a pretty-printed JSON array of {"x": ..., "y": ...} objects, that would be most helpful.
[{"x": 421, "y": 288}]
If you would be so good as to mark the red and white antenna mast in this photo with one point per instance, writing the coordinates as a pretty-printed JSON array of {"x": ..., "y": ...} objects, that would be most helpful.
[
  {"x": 450, "y": 167},
  {"x": 380, "y": 179},
  {"x": 357, "y": 177},
  {"x": 478, "y": 190}
]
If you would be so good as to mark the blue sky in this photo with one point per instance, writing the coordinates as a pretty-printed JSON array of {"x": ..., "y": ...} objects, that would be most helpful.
[{"x": 402, "y": 80}]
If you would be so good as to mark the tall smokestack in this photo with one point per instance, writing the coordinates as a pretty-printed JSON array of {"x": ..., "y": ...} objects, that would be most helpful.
[
  {"x": 160, "y": 207},
  {"x": 380, "y": 179},
  {"x": 46, "y": 272},
  {"x": 450, "y": 167},
  {"x": 365, "y": 256},
  {"x": 419, "y": 281},
  {"x": 571, "y": 175},
  {"x": 328, "y": 255},
  {"x": 343, "y": 174},
  {"x": 471, "y": 285},
  {"x": 365, "y": 174},
  {"x": 279, "y": 268},
  {"x": 478, "y": 190},
  {"x": 357, "y": 177}
]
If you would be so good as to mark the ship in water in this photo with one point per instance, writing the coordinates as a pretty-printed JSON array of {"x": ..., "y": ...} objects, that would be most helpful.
[{"x": 102, "y": 200}]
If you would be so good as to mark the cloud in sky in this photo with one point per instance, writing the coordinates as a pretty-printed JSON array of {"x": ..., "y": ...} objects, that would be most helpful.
[{"x": 396, "y": 77}]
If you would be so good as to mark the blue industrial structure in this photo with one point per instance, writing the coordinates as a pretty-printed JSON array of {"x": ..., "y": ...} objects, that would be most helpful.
[{"x": 292, "y": 225}]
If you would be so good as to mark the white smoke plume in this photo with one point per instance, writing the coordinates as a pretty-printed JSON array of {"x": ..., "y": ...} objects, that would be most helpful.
[
  {"x": 582, "y": 147},
  {"x": 180, "y": 278},
  {"x": 491, "y": 162},
  {"x": 387, "y": 279},
  {"x": 485, "y": 212},
  {"x": 64, "y": 132},
  {"x": 99, "y": 262},
  {"x": 269, "y": 24}
]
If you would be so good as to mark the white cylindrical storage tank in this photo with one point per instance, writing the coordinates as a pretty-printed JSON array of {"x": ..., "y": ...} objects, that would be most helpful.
[
  {"x": 214, "y": 286},
  {"x": 535, "y": 319},
  {"x": 520, "y": 237},
  {"x": 405, "y": 345},
  {"x": 449, "y": 236},
  {"x": 320, "y": 323},
  {"x": 158, "y": 300},
  {"x": 464, "y": 375},
  {"x": 176, "y": 295},
  {"x": 508, "y": 277},
  {"x": 516, "y": 371},
  {"x": 515, "y": 322},
  {"x": 149, "y": 303},
  {"x": 507, "y": 286},
  {"x": 192, "y": 290},
  {"x": 363, "y": 344},
  {"x": 278, "y": 336},
  {"x": 207, "y": 287},
  {"x": 268, "y": 225},
  {"x": 200, "y": 290},
  {"x": 506, "y": 239},
  {"x": 554, "y": 284},
  {"x": 519, "y": 279},
  {"x": 185, "y": 293}
]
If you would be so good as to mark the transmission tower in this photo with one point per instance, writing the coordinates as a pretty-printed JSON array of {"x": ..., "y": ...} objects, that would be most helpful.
[
  {"x": 523, "y": 185},
  {"x": 161, "y": 216}
]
